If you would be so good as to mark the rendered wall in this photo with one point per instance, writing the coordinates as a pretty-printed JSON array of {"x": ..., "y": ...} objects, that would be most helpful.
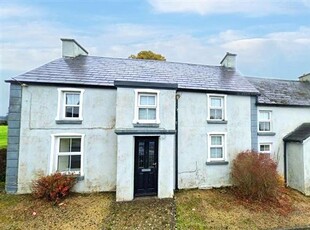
[
  {"x": 284, "y": 121},
  {"x": 193, "y": 146},
  {"x": 38, "y": 115},
  {"x": 306, "y": 151},
  {"x": 295, "y": 166},
  {"x": 125, "y": 143}
]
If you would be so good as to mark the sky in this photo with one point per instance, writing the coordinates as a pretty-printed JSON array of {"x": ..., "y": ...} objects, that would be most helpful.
[{"x": 270, "y": 37}]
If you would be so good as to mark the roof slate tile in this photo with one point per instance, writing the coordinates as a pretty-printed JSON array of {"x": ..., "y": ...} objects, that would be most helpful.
[
  {"x": 91, "y": 70},
  {"x": 282, "y": 92}
]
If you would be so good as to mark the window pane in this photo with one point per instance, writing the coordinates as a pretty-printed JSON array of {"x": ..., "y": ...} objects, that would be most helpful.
[
  {"x": 76, "y": 145},
  {"x": 264, "y": 126},
  {"x": 151, "y": 115},
  {"x": 141, "y": 154},
  {"x": 216, "y": 114},
  {"x": 264, "y": 115},
  {"x": 64, "y": 145},
  {"x": 72, "y": 111},
  {"x": 264, "y": 148},
  {"x": 76, "y": 111},
  {"x": 72, "y": 98},
  {"x": 216, "y": 102},
  {"x": 142, "y": 114},
  {"x": 147, "y": 114},
  {"x": 151, "y": 153},
  {"x": 75, "y": 163},
  {"x": 147, "y": 100},
  {"x": 216, "y": 140},
  {"x": 216, "y": 152},
  {"x": 63, "y": 163}
]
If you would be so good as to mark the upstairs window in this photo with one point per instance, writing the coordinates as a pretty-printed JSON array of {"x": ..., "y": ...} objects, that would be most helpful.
[
  {"x": 147, "y": 109},
  {"x": 216, "y": 107},
  {"x": 264, "y": 121},
  {"x": 70, "y": 102},
  {"x": 217, "y": 150}
]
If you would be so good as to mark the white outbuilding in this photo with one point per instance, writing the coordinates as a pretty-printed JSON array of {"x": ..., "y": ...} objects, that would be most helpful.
[{"x": 297, "y": 155}]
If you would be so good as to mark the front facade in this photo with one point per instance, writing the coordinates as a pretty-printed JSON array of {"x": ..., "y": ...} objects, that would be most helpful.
[{"x": 140, "y": 128}]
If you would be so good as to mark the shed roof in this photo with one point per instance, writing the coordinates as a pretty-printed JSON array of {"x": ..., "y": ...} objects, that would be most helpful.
[
  {"x": 102, "y": 71},
  {"x": 282, "y": 92},
  {"x": 300, "y": 134}
]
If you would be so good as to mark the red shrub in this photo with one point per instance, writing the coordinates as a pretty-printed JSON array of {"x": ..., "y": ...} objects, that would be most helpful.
[
  {"x": 53, "y": 187},
  {"x": 255, "y": 176}
]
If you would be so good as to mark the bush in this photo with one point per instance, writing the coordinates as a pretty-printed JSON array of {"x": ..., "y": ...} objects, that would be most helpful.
[
  {"x": 53, "y": 187},
  {"x": 255, "y": 176},
  {"x": 2, "y": 164}
]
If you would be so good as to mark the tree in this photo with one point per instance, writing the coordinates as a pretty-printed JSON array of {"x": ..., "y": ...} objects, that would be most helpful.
[{"x": 148, "y": 55}]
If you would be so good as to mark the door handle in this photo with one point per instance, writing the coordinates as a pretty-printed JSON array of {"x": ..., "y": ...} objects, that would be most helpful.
[{"x": 155, "y": 164}]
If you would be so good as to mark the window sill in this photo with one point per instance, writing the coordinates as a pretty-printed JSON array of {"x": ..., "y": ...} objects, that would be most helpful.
[
  {"x": 217, "y": 121},
  {"x": 79, "y": 178},
  {"x": 217, "y": 163},
  {"x": 60, "y": 122},
  {"x": 266, "y": 133},
  {"x": 146, "y": 125}
]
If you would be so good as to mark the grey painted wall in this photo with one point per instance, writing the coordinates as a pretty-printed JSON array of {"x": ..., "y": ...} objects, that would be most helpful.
[
  {"x": 254, "y": 137},
  {"x": 38, "y": 124},
  {"x": 13, "y": 138}
]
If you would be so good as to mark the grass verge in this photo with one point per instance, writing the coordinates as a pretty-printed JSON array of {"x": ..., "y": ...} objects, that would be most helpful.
[
  {"x": 220, "y": 209},
  {"x": 77, "y": 212},
  {"x": 3, "y": 136}
]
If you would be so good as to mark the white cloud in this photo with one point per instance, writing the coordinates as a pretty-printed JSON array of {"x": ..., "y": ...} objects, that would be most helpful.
[{"x": 250, "y": 7}]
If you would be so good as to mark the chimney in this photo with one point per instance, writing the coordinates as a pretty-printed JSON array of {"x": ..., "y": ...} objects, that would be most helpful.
[
  {"x": 305, "y": 77},
  {"x": 229, "y": 61},
  {"x": 71, "y": 48}
]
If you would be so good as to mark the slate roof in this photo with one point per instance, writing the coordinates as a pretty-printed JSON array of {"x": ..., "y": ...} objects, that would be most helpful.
[
  {"x": 102, "y": 71},
  {"x": 282, "y": 92},
  {"x": 300, "y": 134}
]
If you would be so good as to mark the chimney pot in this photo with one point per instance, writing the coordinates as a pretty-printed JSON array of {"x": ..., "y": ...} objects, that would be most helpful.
[
  {"x": 71, "y": 48},
  {"x": 229, "y": 60}
]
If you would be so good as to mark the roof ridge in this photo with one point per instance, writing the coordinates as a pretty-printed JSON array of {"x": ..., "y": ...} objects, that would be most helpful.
[
  {"x": 271, "y": 79},
  {"x": 149, "y": 60}
]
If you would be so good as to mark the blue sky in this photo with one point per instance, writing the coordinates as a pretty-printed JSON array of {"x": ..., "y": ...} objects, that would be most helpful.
[{"x": 270, "y": 37}]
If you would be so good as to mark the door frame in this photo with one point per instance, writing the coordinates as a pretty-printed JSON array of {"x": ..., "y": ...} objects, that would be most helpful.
[{"x": 156, "y": 155}]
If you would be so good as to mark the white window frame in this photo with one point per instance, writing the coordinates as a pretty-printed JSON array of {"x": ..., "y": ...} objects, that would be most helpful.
[
  {"x": 224, "y": 99},
  {"x": 55, "y": 151},
  {"x": 61, "y": 111},
  {"x": 139, "y": 92},
  {"x": 270, "y": 120},
  {"x": 224, "y": 146},
  {"x": 265, "y": 152}
]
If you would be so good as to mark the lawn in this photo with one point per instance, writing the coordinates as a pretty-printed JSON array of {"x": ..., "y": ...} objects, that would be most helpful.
[
  {"x": 3, "y": 136},
  {"x": 220, "y": 209},
  {"x": 190, "y": 209}
]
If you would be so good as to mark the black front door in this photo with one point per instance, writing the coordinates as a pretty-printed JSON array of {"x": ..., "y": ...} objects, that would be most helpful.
[{"x": 146, "y": 165}]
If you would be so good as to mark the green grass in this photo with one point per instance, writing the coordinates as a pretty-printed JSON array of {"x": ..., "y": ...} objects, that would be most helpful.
[{"x": 3, "y": 136}]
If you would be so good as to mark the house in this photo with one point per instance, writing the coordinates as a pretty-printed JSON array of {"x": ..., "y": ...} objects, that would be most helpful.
[{"x": 142, "y": 127}]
